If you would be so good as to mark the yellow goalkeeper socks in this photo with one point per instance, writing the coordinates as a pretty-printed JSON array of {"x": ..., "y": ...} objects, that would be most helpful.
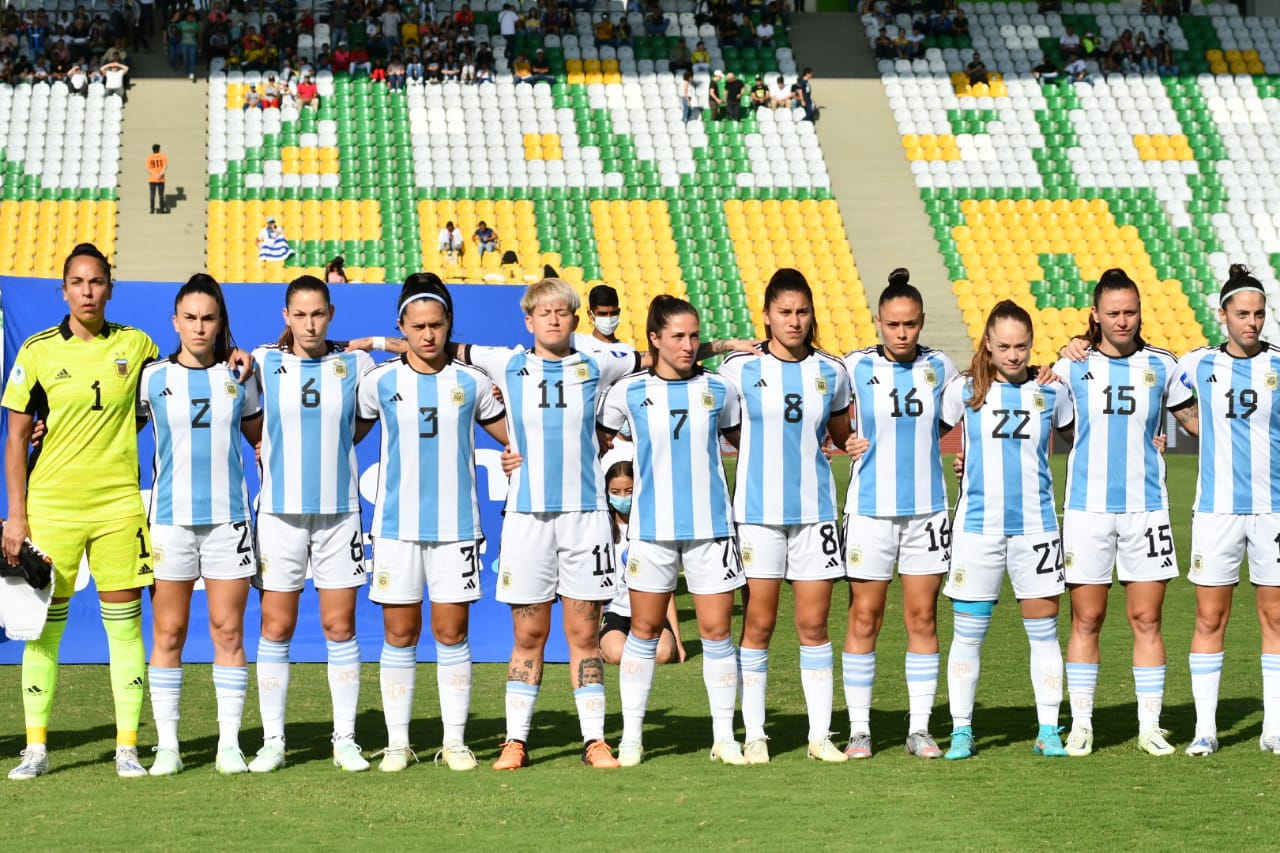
[
  {"x": 123, "y": 623},
  {"x": 40, "y": 673}
]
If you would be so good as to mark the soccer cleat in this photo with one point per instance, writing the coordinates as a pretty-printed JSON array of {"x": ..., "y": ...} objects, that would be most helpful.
[
  {"x": 756, "y": 750},
  {"x": 35, "y": 762},
  {"x": 456, "y": 757},
  {"x": 1049, "y": 743},
  {"x": 922, "y": 745},
  {"x": 1203, "y": 745},
  {"x": 513, "y": 757},
  {"x": 859, "y": 745},
  {"x": 230, "y": 761},
  {"x": 168, "y": 762},
  {"x": 630, "y": 753},
  {"x": 598, "y": 754},
  {"x": 728, "y": 752},
  {"x": 1152, "y": 742},
  {"x": 1079, "y": 742},
  {"x": 825, "y": 750},
  {"x": 127, "y": 764},
  {"x": 346, "y": 754},
  {"x": 270, "y": 757},
  {"x": 397, "y": 758},
  {"x": 962, "y": 745},
  {"x": 1269, "y": 743}
]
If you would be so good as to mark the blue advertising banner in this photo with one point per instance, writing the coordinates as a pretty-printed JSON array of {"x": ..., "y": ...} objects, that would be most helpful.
[{"x": 485, "y": 314}]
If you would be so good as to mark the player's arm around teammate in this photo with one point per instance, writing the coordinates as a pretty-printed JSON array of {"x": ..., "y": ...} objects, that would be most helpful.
[
  {"x": 896, "y": 512},
  {"x": 1237, "y": 507},
  {"x": 200, "y": 520},
  {"x": 1116, "y": 511},
  {"x": 785, "y": 504},
  {"x": 1005, "y": 519},
  {"x": 680, "y": 515},
  {"x": 426, "y": 525},
  {"x": 309, "y": 512}
]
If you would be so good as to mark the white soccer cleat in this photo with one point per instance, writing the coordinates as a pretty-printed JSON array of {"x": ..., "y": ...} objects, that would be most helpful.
[
  {"x": 347, "y": 755},
  {"x": 756, "y": 750},
  {"x": 630, "y": 753},
  {"x": 168, "y": 762},
  {"x": 1269, "y": 743},
  {"x": 396, "y": 758},
  {"x": 1153, "y": 742},
  {"x": 1203, "y": 745},
  {"x": 825, "y": 750},
  {"x": 35, "y": 762},
  {"x": 269, "y": 758},
  {"x": 230, "y": 761},
  {"x": 127, "y": 764},
  {"x": 456, "y": 756},
  {"x": 728, "y": 752},
  {"x": 1079, "y": 742}
]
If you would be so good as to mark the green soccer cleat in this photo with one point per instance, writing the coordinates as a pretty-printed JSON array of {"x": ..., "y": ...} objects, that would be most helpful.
[
  {"x": 230, "y": 761},
  {"x": 962, "y": 745},
  {"x": 168, "y": 762}
]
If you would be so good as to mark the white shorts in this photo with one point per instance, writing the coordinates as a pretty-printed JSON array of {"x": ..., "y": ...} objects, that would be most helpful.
[
  {"x": 1220, "y": 541},
  {"x": 1138, "y": 544},
  {"x": 711, "y": 566},
  {"x": 917, "y": 544},
  {"x": 332, "y": 544},
  {"x": 549, "y": 554},
  {"x": 221, "y": 552},
  {"x": 979, "y": 562},
  {"x": 450, "y": 571},
  {"x": 794, "y": 552}
]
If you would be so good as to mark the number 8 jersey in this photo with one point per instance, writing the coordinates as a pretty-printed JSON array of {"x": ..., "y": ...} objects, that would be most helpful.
[{"x": 1239, "y": 429}]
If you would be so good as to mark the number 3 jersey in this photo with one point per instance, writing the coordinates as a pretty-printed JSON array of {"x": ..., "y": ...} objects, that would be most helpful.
[
  {"x": 1239, "y": 429},
  {"x": 199, "y": 468},
  {"x": 427, "y": 475},
  {"x": 1120, "y": 408},
  {"x": 308, "y": 432},
  {"x": 1007, "y": 489}
]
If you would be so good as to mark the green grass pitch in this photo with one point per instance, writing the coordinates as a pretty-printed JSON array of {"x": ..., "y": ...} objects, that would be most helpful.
[{"x": 1004, "y": 799}]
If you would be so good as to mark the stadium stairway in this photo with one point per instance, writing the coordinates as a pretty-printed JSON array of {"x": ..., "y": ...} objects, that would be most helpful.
[
  {"x": 884, "y": 218},
  {"x": 171, "y": 112}
]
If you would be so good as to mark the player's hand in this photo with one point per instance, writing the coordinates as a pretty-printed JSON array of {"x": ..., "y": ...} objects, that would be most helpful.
[
  {"x": 360, "y": 345},
  {"x": 1046, "y": 375},
  {"x": 1161, "y": 442},
  {"x": 241, "y": 364},
  {"x": 497, "y": 394},
  {"x": 856, "y": 446},
  {"x": 510, "y": 460},
  {"x": 257, "y": 452},
  {"x": 38, "y": 430},
  {"x": 957, "y": 464},
  {"x": 15, "y": 533},
  {"x": 1077, "y": 349},
  {"x": 741, "y": 345}
]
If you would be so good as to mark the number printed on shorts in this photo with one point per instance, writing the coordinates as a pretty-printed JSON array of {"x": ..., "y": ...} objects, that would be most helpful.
[
  {"x": 243, "y": 546},
  {"x": 830, "y": 539},
  {"x": 1050, "y": 557},
  {"x": 143, "y": 553},
  {"x": 1159, "y": 541},
  {"x": 470, "y": 575},
  {"x": 940, "y": 537},
  {"x": 357, "y": 549}
]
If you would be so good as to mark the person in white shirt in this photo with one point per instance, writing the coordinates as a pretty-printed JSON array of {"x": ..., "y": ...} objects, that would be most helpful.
[{"x": 450, "y": 239}]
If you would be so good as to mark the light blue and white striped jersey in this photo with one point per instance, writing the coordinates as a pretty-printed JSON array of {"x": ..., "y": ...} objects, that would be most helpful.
[
  {"x": 621, "y": 603},
  {"x": 551, "y": 412},
  {"x": 1239, "y": 429},
  {"x": 896, "y": 408},
  {"x": 196, "y": 415},
  {"x": 680, "y": 491},
  {"x": 308, "y": 437},
  {"x": 783, "y": 476},
  {"x": 1120, "y": 408},
  {"x": 427, "y": 474},
  {"x": 1007, "y": 489}
]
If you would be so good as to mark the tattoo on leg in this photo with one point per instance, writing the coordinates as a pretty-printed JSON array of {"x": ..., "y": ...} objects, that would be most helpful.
[
  {"x": 526, "y": 671},
  {"x": 525, "y": 611},
  {"x": 516, "y": 673},
  {"x": 589, "y": 609},
  {"x": 590, "y": 671}
]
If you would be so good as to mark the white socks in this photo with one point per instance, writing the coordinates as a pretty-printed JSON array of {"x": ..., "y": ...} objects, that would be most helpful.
[
  {"x": 590, "y": 699},
  {"x": 1082, "y": 683},
  {"x": 230, "y": 683},
  {"x": 1046, "y": 668},
  {"x": 397, "y": 676},
  {"x": 344, "y": 685},
  {"x": 922, "y": 688},
  {"x": 273, "y": 686},
  {"x": 720, "y": 675},
  {"x": 859, "y": 674},
  {"x": 754, "y": 671},
  {"x": 166, "y": 689},
  {"x": 1206, "y": 672},
  {"x": 816, "y": 665},
  {"x": 520, "y": 701},
  {"x": 1270, "y": 695},
  {"x": 635, "y": 678},
  {"x": 453, "y": 680},
  {"x": 964, "y": 665},
  {"x": 1148, "y": 685}
]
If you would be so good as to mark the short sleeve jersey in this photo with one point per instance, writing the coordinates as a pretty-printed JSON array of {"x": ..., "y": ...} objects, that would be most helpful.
[{"x": 86, "y": 393}]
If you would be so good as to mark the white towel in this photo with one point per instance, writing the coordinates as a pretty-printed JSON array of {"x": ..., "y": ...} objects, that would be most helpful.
[{"x": 23, "y": 609}]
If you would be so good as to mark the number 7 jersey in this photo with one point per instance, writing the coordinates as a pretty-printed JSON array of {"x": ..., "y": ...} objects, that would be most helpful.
[{"x": 1239, "y": 429}]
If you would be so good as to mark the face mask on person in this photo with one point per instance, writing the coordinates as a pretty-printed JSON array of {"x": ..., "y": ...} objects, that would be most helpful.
[
  {"x": 607, "y": 325},
  {"x": 620, "y": 504}
]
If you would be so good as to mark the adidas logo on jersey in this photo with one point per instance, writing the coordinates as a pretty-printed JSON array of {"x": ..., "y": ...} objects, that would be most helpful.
[
  {"x": 524, "y": 371},
  {"x": 647, "y": 402},
  {"x": 1213, "y": 377},
  {"x": 62, "y": 374},
  {"x": 145, "y": 569},
  {"x": 166, "y": 393},
  {"x": 762, "y": 384},
  {"x": 280, "y": 370},
  {"x": 397, "y": 398},
  {"x": 874, "y": 380},
  {"x": 1088, "y": 374}
]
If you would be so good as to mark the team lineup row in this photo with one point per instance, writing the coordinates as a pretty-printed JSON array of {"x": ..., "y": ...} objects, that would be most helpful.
[{"x": 571, "y": 534}]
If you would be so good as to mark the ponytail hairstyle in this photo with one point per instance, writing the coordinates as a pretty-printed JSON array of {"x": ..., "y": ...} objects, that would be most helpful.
[
  {"x": 661, "y": 310},
  {"x": 788, "y": 280},
  {"x": 900, "y": 287},
  {"x": 621, "y": 468},
  {"x": 1239, "y": 280},
  {"x": 1113, "y": 279},
  {"x": 202, "y": 283},
  {"x": 982, "y": 370},
  {"x": 87, "y": 250},
  {"x": 426, "y": 285},
  {"x": 298, "y": 285}
]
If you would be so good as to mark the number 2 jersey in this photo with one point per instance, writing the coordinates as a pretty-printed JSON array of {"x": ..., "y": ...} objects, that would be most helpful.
[
  {"x": 1120, "y": 408},
  {"x": 308, "y": 431},
  {"x": 1239, "y": 429},
  {"x": 1007, "y": 489},
  {"x": 427, "y": 475}
]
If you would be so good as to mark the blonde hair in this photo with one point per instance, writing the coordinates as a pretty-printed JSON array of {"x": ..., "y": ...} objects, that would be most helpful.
[{"x": 550, "y": 290}]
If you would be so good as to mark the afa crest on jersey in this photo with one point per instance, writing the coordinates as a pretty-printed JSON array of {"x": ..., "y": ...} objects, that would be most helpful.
[
  {"x": 708, "y": 400},
  {"x": 748, "y": 555},
  {"x": 581, "y": 372},
  {"x": 1038, "y": 402},
  {"x": 232, "y": 390},
  {"x": 122, "y": 367},
  {"x": 382, "y": 579},
  {"x": 855, "y": 555},
  {"x": 820, "y": 384},
  {"x": 1197, "y": 563},
  {"x": 930, "y": 377},
  {"x": 339, "y": 368},
  {"x": 1271, "y": 380},
  {"x": 457, "y": 396},
  {"x": 633, "y": 567},
  {"x": 958, "y": 576},
  {"x": 1068, "y": 559},
  {"x": 1149, "y": 377}
]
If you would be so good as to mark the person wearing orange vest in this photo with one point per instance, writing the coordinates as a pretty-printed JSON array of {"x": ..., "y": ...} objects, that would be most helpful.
[{"x": 157, "y": 165}]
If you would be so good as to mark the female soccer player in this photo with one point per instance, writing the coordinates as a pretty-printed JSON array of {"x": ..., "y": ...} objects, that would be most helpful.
[
  {"x": 1237, "y": 508},
  {"x": 81, "y": 379},
  {"x": 200, "y": 514},
  {"x": 1117, "y": 507},
  {"x": 1005, "y": 519},
  {"x": 791, "y": 394},
  {"x": 309, "y": 511},
  {"x": 426, "y": 523},
  {"x": 896, "y": 511},
  {"x": 680, "y": 515}
]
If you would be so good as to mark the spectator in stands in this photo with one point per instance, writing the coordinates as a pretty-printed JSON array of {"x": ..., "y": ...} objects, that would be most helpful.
[
  {"x": 464, "y": 17},
  {"x": 715, "y": 95},
  {"x": 884, "y": 45},
  {"x": 78, "y": 80},
  {"x": 680, "y": 60},
  {"x": 450, "y": 241},
  {"x": 1144, "y": 55},
  {"x": 976, "y": 70},
  {"x": 728, "y": 32},
  {"x": 485, "y": 238},
  {"x": 915, "y": 42},
  {"x": 335, "y": 272},
  {"x": 687, "y": 107},
  {"x": 484, "y": 64},
  {"x": 252, "y": 99},
  {"x": 1172, "y": 8},
  {"x": 1047, "y": 6},
  {"x": 450, "y": 68},
  {"x": 1078, "y": 72},
  {"x": 779, "y": 94},
  {"x": 764, "y": 33},
  {"x": 960, "y": 24},
  {"x": 1069, "y": 42},
  {"x": 308, "y": 92},
  {"x": 1089, "y": 45},
  {"x": 360, "y": 60},
  {"x": 1046, "y": 72},
  {"x": 272, "y": 93},
  {"x": 759, "y": 93},
  {"x": 507, "y": 19},
  {"x": 1166, "y": 65},
  {"x": 341, "y": 60},
  {"x": 541, "y": 68},
  {"x": 655, "y": 22},
  {"x": 414, "y": 70},
  {"x": 188, "y": 41},
  {"x": 272, "y": 244},
  {"x": 733, "y": 88},
  {"x": 522, "y": 70},
  {"x": 379, "y": 72},
  {"x": 604, "y": 32},
  {"x": 804, "y": 90},
  {"x": 395, "y": 74},
  {"x": 701, "y": 59},
  {"x": 622, "y": 32}
]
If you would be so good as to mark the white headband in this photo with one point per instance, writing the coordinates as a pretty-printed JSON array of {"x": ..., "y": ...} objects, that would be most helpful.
[
  {"x": 1248, "y": 288},
  {"x": 415, "y": 297}
]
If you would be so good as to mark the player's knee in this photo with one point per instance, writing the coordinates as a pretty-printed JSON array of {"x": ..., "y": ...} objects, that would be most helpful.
[
  {"x": 1145, "y": 623},
  {"x": 757, "y": 631},
  {"x": 921, "y": 619},
  {"x": 864, "y": 622},
  {"x": 1211, "y": 621},
  {"x": 338, "y": 629},
  {"x": 227, "y": 637},
  {"x": 404, "y": 638},
  {"x": 1088, "y": 620}
]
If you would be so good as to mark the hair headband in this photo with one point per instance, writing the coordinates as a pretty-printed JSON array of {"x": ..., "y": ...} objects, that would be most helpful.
[{"x": 415, "y": 297}]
